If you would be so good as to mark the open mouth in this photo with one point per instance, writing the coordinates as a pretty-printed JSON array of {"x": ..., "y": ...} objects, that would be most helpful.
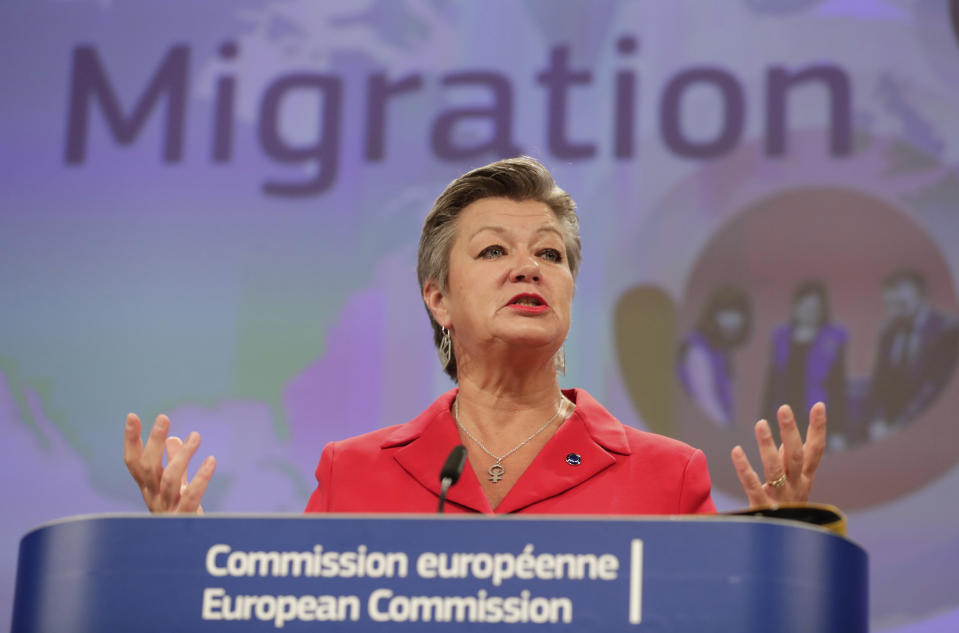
[{"x": 530, "y": 300}]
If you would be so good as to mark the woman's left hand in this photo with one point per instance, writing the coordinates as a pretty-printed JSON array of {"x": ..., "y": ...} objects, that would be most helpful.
[{"x": 788, "y": 469}]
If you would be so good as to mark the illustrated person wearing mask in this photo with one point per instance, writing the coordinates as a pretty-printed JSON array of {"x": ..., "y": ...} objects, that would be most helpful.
[
  {"x": 808, "y": 360},
  {"x": 497, "y": 265},
  {"x": 915, "y": 354},
  {"x": 705, "y": 366}
]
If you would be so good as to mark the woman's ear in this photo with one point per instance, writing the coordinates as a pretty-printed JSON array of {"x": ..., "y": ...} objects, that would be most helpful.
[{"x": 435, "y": 300}]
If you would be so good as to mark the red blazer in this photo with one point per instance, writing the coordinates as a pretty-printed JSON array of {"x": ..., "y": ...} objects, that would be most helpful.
[{"x": 622, "y": 470}]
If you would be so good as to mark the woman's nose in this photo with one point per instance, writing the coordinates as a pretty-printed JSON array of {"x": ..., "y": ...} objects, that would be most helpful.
[{"x": 526, "y": 269}]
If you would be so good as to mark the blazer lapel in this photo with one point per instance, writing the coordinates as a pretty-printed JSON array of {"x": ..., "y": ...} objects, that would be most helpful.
[
  {"x": 422, "y": 446},
  {"x": 591, "y": 433}
]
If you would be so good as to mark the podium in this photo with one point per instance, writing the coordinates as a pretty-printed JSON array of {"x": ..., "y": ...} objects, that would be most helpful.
[{"x": 435, "y": 573}]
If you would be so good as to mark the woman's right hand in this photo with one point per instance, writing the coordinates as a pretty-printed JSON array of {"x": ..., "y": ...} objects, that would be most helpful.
[{"x": 165, "y": 489}]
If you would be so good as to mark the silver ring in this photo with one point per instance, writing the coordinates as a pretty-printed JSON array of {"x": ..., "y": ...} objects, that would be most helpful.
[{"x": 778, "y": 482}]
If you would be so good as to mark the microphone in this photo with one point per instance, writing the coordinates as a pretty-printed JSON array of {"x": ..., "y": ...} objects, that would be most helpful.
[{"x": 451, "y": 472}]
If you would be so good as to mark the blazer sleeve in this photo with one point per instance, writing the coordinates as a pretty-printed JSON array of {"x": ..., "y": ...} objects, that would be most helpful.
[
  {"x": 321, "y": 499},
  {"x": 695, "y": 498}
]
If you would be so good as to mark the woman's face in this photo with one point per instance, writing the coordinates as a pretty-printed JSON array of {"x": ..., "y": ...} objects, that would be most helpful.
[
  {"x": 730, "y": 323},
  {"x": 509, "y": 283},
  {"x": 808, "y": 310}
]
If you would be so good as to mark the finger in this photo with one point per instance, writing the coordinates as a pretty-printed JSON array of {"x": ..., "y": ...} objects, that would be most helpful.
[
  {"x": 748, "y": 478},
  {"x": 175, "y": 471},
  {"x": 815, "y": 439},
  {"x": 192, "y": 495},
  {"x": 151, "y": 461},
  {"x": 768, "y": 453},
  {"x": 792, "y": 448},
  {"x": 132, "y": 445},
  {"x": 173, "y": 444}
]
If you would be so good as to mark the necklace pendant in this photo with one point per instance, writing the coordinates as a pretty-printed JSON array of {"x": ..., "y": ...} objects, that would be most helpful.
[{"x": 496, "y": 472}]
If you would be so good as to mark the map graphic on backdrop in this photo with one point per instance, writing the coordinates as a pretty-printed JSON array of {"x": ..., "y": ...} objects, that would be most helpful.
[{"x": 239, "y": 254}]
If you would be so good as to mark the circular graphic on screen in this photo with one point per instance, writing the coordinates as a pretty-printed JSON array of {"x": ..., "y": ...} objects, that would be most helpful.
[
  {"x": 796, "y": 287},
  {"x": 850, "y": 304}
]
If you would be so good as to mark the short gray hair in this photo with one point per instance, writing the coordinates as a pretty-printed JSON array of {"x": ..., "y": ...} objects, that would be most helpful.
[{"x": 522, "y": 178}]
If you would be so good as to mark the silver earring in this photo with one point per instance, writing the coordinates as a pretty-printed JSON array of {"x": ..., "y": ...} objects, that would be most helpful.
[
  {"x": 445, "y": 351},
  {"x": 559, "y": 361}
]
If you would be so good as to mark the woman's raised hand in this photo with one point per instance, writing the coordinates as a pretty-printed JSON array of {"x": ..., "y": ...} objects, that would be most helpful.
[
  {"x": 788, "y": 469},
  {"x": 165, "y": 489}
]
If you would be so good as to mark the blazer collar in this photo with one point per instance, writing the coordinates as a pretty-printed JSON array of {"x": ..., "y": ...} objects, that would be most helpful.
[
  {"x": 591, "y": 432},
  {"x": 602, "y": 427},
  {"x": 422, "y": 446}
]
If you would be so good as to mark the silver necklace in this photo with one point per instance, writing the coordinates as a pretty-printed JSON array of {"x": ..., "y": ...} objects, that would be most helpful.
[{"x": 497, "y": 470}]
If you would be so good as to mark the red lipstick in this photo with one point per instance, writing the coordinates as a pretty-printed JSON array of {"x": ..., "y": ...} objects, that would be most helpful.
[{"x": 528, "y": 303}]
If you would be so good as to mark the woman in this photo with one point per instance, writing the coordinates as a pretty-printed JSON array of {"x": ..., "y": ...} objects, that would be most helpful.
[
  {"x": 808, "y": 359},
  {"x": 705, "y": 366},
  {"x": 498, "y": 257}
]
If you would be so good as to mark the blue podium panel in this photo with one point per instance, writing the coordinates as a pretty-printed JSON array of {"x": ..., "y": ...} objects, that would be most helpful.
[{"x": 416, "y": 573}]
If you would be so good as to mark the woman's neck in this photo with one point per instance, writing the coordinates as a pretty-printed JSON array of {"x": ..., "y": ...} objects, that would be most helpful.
[
  {"x": 804, "y": 333},
  {"x": 504, "y": 406}
]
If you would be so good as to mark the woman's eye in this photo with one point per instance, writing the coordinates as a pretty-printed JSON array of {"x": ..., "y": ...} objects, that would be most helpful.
[
  {"x": 492, "y": 251},
  {"x": 552, "y": 255}
]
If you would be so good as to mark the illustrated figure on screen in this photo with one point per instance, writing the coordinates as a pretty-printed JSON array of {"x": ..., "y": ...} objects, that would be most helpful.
[
  {"x": 705, "y": 365},
  {"x": 808, "y": 360},
  {"x": 915, "y": 353}
]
